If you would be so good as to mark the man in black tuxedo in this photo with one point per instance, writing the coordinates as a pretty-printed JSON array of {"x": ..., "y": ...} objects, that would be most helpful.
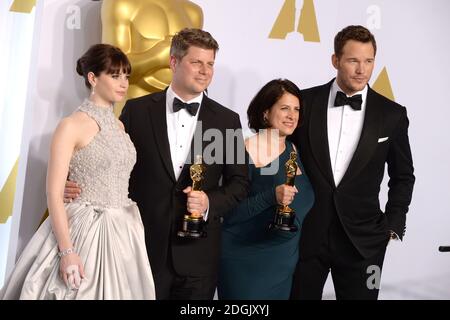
[
  {"x": 349, "y": 133},
  {"x": 168, "y": 130}
]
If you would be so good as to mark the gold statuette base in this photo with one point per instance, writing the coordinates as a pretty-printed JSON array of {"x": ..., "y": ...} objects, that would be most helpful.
[
  {"x": 192, "y": 228},
  {"x": 284, "y": 219}
]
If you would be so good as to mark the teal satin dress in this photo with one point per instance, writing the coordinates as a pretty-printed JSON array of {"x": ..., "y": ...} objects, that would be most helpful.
[{"x": 258, "y": 262}]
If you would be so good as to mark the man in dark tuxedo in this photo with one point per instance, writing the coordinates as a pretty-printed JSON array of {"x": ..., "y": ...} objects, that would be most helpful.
[
  {"x": 168, "y": 129},
  {"x": 349, "y": 133}
]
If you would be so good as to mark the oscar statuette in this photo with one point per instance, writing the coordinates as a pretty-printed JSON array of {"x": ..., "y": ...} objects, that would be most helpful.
[
  {"x": 193, "y": 223},
  {"x": 285, "y": 216}
]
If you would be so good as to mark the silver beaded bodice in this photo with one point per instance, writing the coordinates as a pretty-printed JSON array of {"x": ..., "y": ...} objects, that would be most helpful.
[{"x": 102, "y": 168}]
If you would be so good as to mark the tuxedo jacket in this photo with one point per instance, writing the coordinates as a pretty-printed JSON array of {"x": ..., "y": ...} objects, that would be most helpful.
[
  {"x": 159, "y": 195},
  {"x": 355, "y": 200}
]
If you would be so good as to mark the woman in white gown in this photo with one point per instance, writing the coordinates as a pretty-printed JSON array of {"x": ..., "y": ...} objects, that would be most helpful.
[{"x": 93, "y": 247}]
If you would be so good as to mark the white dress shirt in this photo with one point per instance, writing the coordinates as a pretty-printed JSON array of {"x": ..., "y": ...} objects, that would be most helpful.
[
  {"x": 181, "y": 126},
  {"x": 180, "y": 130},
  {"x": 344, "y": 130}
]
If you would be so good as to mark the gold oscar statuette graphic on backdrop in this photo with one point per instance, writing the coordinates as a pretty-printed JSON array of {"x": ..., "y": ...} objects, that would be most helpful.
[
  {"x": 44, "y": 216},
  {"x": 382, "y": 85},
  {"x": 7, "y": 192},
  {"x": 285, "y": 216},
  {"x": 285, "y": 22},
  {"x": 23, "y": 6},
  {"x": 193, "y": 223},
  {"x": 308, "y": 22},
  {"x": 143, "y": 29}
]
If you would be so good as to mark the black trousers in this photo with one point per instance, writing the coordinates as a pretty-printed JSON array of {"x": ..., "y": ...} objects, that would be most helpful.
[
  {"x": 354, "y": 277},
  {"x": 171, "y": 286}
]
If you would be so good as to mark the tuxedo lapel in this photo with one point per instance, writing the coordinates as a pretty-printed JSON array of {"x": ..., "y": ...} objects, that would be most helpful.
[
  {"x": 369, "y": 138},
  {"x": 206, "y": 117},
  {"x": 318, "y": 132},
  {"x": 158, "y": 120}
]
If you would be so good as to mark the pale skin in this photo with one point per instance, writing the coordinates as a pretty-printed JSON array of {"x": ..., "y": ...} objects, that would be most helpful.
[
  {"x": 73, "y": 133},
  {"x": 192, "y": 74},
  {"x": 268, "y": 144},
  {"x": 354, "y": 66}
]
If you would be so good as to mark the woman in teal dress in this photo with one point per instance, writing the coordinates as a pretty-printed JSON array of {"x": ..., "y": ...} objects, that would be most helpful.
[{"x": 258, "y": 262}]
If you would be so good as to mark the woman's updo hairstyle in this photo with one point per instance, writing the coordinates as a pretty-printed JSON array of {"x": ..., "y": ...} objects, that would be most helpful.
[{"x": 102, "y": 58}]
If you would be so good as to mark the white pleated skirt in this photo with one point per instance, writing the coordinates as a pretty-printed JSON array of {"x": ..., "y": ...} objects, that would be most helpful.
[{"x": 111, "y": 245}]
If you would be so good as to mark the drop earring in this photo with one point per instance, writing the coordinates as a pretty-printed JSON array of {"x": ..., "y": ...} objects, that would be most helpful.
[{"x": 93, "y": 91}]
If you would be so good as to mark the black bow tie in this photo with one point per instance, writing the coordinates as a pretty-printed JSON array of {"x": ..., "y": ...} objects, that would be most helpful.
[
  {"x": 342, "y": 99},
  {"x": 190, "y": 107}
]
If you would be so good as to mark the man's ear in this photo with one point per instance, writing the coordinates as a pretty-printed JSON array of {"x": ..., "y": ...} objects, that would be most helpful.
[
  {"x": 335, "y": 61},
  {"x": 173, "y": 62}
]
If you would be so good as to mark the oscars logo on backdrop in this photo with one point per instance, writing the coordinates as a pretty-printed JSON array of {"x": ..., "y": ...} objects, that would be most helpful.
[
  {"x": 24, "y": 6},
  {"x": 307, "y": 24},
  {"x": 382, "y": 85},
  {"x": 7, "y": 194}
]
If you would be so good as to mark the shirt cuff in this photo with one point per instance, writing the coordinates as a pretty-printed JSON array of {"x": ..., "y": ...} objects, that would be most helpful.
[{"x": 205, "y": 215}]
